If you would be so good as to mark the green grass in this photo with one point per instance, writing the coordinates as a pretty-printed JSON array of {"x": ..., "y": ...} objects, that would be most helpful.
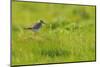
[{"x": 67, "y": 36}]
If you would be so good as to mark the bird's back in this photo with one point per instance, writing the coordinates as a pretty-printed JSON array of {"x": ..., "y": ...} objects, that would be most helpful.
[{"x": 37, "y": 26}]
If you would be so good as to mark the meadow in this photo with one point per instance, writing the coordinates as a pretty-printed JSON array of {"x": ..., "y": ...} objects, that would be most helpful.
[{"x": 68, "y": 35}]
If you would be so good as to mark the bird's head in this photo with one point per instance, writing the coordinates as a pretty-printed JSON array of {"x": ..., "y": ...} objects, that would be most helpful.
[{"x": 41, "y": 21}]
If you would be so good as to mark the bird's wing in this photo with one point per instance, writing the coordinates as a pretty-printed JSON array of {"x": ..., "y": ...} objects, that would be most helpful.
[{"x": 36, "y": 26}]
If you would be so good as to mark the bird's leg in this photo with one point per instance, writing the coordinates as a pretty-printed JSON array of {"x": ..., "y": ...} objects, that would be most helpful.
[{"x": 34, "y": 35}]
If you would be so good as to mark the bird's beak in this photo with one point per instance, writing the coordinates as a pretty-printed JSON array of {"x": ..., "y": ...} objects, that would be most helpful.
[{"x": 44, "y": 23}]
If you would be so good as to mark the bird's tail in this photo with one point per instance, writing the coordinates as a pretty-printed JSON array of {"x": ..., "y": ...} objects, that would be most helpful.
[{"x": 28, "y": 28}]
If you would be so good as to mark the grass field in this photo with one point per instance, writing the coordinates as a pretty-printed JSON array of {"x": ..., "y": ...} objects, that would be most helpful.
[{"x": 67, "y": 36}]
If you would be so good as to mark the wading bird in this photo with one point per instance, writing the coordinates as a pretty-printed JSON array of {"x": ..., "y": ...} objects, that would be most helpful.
[{"x": 36, "y": 27}]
